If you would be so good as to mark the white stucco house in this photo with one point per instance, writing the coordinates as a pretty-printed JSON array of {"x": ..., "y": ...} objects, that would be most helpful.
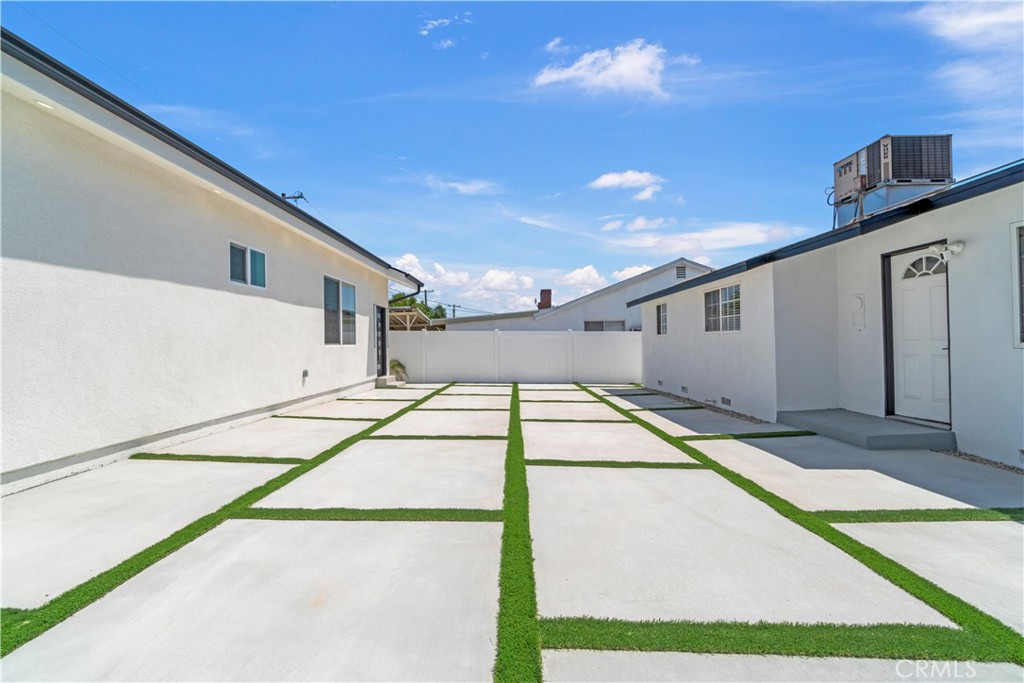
[
  {"x": 149, "y": 289},
  {"x": 602, "y": 311},
  {"x": 914, "y": 312}
]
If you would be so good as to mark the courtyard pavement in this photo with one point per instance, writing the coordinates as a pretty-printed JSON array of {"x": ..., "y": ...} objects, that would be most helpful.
[{"x": 370, "y": 545}]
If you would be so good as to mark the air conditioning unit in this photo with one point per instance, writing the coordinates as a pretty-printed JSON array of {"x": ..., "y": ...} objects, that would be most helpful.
[{"x": 895, "y": 160}]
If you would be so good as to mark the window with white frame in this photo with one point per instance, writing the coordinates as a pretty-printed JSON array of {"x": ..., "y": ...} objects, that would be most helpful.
[
  {"x": 348, "y": 313},
  {"x": 604, "y": 326},
  {"x": 662, "y": 315},
  {"x": 722, "y": 309},
  {"x": 248, "y": 266},
  {"x": 339, "y": 312}
]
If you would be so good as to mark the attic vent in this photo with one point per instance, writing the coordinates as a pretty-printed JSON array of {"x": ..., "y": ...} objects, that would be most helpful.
[{"x": 680, "y": 272}]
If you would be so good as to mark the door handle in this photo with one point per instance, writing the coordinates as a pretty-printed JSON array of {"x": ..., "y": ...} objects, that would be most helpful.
[{"x": 945, "y": 348}]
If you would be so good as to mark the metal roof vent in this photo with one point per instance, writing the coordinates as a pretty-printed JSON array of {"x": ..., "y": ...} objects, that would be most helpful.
[{"x": 890, "y": 170}]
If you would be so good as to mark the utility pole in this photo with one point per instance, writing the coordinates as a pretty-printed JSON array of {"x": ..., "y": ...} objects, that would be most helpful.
[
  {"x": 425, "y": 292},
  {"x": 454, "y": 306}
]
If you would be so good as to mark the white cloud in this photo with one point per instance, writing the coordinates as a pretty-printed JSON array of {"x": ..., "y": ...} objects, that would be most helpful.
[
  {"x": 410, "y": 263},
  {"x": 450, "y": 278},
  {"x": 445, "y": 44},
  {"x": 611, "y": 225},
  {"x": 499, "y": 280},
  {"x": 974, "y": 25},
  {"x": 431, "y": 24},
  {"x": 649, "y": 182},
  {"x": 470, "y": 187},
  {"x": 694, "y": 244},
  {"x": 644, "y": 223},
  {"x": 586, "y": 279},
  {"x": 633, "y": 68},
  {"x": 630, "y": 271},
  {"x": 555, "y": 47}
]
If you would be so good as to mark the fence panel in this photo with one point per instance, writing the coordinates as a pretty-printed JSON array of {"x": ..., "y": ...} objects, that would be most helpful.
[{"x": 609, "y": 357}]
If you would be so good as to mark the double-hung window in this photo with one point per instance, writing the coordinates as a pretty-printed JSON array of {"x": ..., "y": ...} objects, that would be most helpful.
[
  {"x": 722, "y": 309},
  {"x": 248, "y": 266},
  {"x": 604, "y": 326},
  {"x": 339, "y": 312},
  {"x": 661, "y": 312}
]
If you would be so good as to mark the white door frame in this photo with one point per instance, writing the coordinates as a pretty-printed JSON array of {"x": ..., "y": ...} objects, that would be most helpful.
[{"x": 888, "y": 331}]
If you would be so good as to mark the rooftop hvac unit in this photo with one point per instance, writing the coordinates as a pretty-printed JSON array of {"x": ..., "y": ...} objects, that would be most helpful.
[{"x": 893, "y": 161}]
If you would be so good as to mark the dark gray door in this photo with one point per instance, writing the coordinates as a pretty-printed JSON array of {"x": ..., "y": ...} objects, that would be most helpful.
[{"x": 381, "y": 339}]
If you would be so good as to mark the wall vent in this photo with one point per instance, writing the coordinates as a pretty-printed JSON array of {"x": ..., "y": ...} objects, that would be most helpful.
[
  {"x": 684, "y": 390},
  {"x": 726, "y": 401},
  {"x": 680, "y": 272}
]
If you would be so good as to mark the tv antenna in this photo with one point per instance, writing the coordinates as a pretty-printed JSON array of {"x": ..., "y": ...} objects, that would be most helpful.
[{"x": 295, "y": 197}]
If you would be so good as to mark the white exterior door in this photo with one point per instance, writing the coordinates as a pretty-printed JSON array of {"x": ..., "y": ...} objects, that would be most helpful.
[{"x": 920, "y": 335}]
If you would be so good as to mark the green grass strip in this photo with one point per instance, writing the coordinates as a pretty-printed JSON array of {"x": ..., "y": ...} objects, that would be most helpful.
[
  {"x": 883, "y": 641},
  {"x": 381, "y": 515},
  {"x": 218, "y": 458},
  {"x": 749, "y": 435},
  {"x": 518, "y": 657},
  {"x": 548, "y": 462},
  {"x": 452, "y": 437},
  {"x": 967, "y": 616},
  {"x": 18, "y": 628},
  {"x": 929, "y": 515},
  {"x": 550, "y": 419},
  {"x": 549, "y": 400},
  {"x": 322, "y": 417}
]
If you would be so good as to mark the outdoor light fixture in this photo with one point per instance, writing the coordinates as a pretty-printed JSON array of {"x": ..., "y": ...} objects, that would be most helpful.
[
  {"x": 947, "y": 251},
  {"x": 44, "y": 105}
]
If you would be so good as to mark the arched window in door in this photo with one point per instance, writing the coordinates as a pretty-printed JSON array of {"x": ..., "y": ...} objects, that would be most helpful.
[{"x": 926, "y": 265}]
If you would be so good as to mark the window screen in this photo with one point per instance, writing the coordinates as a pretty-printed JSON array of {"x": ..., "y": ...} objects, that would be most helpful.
[
  {"x": 712, "y": 312},
  {"x": 662, "y": 313},
  {"x": 604, "y": 326},
  {"x": 348, "y": 314},
  {"x": 1020, "y": 277},
  {"x": 332, "y": 308},
  {"x": 722, "y": 309},
  {"x": 238, "y": 273},
  {"x": 257, "y": 268}
]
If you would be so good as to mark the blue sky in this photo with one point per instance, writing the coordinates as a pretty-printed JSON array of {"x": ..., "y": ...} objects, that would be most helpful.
[{"x": 495, "y": 149}]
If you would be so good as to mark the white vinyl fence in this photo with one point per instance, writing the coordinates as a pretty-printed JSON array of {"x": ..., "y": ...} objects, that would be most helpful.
[{"x": 451, "y": 356}]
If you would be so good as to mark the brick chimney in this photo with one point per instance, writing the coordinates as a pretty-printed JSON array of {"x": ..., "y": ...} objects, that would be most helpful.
[{"x": 545, "y": 299}]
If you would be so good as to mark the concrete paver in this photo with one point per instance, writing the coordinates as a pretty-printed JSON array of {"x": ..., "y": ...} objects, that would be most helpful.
[
  {"x": 686, "y": 544},
  {"x": 282, "y": 600},
  {"x": 598, "y": 666},
  {"x": 648, "y": 401},
  {"x": 566, "y": 395},
  {"x": 460, "y": 389},
  {"x": 58, "y": 535},
  {"x": 463, "y": 402},
  {"x": 818, "y": 473},
  {"x": 391, "y": 394},
  {"x": 701, "y": 421},
  {"x": 568, "y": 411},
  {"x": 981, "y": 562},
  {"x": 432, "y": 386},
  {"x": 361, "y": 410},
  {"x": 596, "y": 441},
  {"x": 402, "y": 474},
  {"x": 448, "y": 423},
  {"x": 272, "y": 438}
]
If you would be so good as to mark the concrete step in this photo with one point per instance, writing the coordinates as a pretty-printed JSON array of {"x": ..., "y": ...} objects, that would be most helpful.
[
  {"x": 388, "y": 381},
  {"x": 868, "y": 431}
]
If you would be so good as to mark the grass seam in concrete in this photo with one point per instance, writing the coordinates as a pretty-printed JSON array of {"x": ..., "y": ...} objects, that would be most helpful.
[
  {"x": 260, "y": 460},
  {"x": 19, "y": 628},
  {"x": 876, "y": 641},
  {"x": 626, "y": 464},
  {"x": 518, "y": 650},
  {"x": 962, "y": 613},
  {"x": 370, "y": 514},
  {"x": 922, "y": 515},
  {"x": 435, "y": 437},
  {"x": 547, "y": 419}
]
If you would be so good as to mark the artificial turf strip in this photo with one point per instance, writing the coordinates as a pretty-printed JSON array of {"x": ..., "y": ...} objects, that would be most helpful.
[
  {"x": 16, "y": 629},
  {"x": 518, "y": 657},
  {"x": 929, "y": 515},
  {"x": 548, "y": 462},
  {"x": 381, "y": 515},
  {"x": 750, "y": 435},
  {"x": 971, "y": 619},
  {"x": 435, "y": 437},
  {"x": 218, "y": 458},
  {"x": 883, "y": 641}
]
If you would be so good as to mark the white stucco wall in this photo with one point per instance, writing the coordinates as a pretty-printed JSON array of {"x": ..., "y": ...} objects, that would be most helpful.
[
  {"x": 609, "y": 304},
  {"x": 986, "y": 361},
  {"x": 119, "y": 319},
  {"x": 806, "y": 331},
  {"x": 737, "y": 365}
]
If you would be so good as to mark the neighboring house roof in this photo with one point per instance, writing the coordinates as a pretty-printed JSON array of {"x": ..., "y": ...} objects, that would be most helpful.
[
  {"x": 407, "y": 318},
  {"x": 976, "y": 186},
  {"x": 587, "y": 297},
  {"x": 36, "y": 59}
]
